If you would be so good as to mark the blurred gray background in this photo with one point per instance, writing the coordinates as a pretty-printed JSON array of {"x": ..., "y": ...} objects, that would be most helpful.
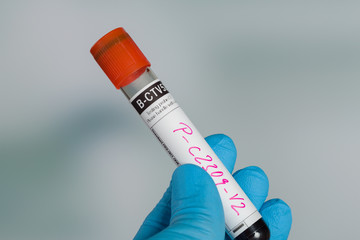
[{"x": 282, "y": 78}]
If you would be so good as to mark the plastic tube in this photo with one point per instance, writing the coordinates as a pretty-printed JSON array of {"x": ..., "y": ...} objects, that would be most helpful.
[{"x": 129, "y": 70}]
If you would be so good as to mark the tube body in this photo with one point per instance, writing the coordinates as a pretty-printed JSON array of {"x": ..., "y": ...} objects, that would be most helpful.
[{"x": 185, "y": 145}]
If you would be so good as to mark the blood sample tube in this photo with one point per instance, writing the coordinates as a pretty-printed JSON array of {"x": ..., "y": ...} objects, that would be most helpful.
[{"x": 129, "y": 70}]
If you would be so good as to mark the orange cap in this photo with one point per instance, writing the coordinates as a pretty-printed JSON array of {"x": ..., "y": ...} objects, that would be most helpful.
[{"x": 119, "y": 57}]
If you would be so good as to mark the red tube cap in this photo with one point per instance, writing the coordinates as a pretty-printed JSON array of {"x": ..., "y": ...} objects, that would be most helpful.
[{"x": 119, "y": 57}]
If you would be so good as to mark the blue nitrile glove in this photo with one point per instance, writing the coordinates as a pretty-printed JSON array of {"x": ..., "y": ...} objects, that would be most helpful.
[{"x": 191, "y": 206}]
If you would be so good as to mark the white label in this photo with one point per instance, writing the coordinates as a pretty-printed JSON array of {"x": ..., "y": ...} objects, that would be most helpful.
[{"x": 185, "y": 145}]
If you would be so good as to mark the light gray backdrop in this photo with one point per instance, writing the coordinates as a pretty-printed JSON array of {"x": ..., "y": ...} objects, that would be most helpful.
[{"x": 280, "y": 77}]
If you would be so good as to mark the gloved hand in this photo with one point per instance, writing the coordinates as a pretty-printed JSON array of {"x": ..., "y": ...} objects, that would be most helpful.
[{"x": 191, "y": 207}]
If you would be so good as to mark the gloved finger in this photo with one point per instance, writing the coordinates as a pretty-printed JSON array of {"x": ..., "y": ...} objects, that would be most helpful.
[
  {"x": 158, "y": 219},
  {"x": 277, "y": 215},
  {"x": 224, "y": 148},
  {"x": 196, "y": 209},
  {"x": 255, "y": 184}
]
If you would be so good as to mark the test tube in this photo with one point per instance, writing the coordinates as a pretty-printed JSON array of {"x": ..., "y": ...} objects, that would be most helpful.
[{"x": 129, "y": 70}]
